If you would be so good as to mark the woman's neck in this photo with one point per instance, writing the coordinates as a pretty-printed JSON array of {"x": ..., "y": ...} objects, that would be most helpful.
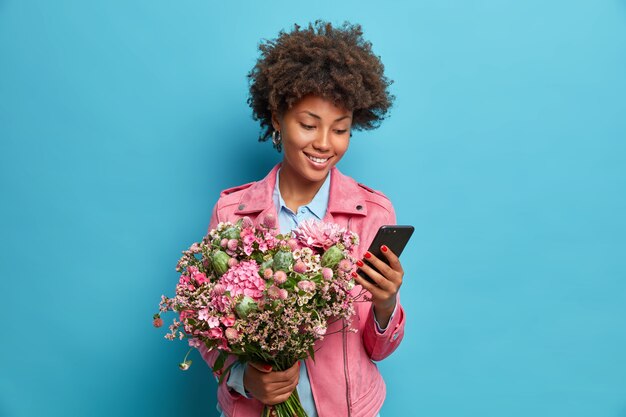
[{"x": 295, "y": 190}]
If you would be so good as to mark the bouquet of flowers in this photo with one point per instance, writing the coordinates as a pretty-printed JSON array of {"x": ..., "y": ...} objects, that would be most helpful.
[{"x": 261, "y": 296}]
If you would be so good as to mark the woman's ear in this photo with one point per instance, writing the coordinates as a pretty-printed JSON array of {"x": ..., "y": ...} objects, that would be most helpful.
[{"x": 275, "y": 122}]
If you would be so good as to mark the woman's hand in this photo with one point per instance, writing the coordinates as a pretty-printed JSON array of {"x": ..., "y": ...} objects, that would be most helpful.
[
  {"x": 387, "y": 278},
  {"x": 270, "y": 387}
]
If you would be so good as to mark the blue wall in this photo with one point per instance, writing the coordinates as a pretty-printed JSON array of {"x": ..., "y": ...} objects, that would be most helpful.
[{"x": 120, "y": 121}]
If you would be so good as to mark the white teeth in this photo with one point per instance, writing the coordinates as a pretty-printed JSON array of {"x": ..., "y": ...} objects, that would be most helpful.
[{"x": 318, "y": 160}]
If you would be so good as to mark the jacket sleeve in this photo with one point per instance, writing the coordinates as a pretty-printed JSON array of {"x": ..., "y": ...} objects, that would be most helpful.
[{"x": 379, "y": 344}]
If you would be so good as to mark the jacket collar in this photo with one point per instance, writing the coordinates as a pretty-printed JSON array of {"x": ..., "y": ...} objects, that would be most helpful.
[{"x": 345, "y": 195}]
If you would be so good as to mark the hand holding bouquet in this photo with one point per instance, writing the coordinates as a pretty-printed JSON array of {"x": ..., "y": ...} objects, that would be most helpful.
[{"x": 262, "y": 296}]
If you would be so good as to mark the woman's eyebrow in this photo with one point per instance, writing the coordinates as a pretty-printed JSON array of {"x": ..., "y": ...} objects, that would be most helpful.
[{"x": 319, "y": 118}]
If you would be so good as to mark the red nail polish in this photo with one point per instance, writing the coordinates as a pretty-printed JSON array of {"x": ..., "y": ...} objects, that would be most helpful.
[
  {"x": 384, "y": 248},
  {"x": 359, "y": 263},
  {"x": 368, "y": 255},
  {"x": 354, "y": 274},
  {"x": 267, "y": 367}
]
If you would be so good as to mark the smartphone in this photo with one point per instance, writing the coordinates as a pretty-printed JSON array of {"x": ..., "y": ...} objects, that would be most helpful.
[{"x": 395, "y": 237}]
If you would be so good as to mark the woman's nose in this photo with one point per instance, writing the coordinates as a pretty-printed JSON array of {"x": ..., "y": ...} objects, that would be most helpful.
[{"x": 322, "y": 141}]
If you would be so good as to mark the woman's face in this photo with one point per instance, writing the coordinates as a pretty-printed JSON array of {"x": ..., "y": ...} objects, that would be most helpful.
[{"x": 315, "y": 135}]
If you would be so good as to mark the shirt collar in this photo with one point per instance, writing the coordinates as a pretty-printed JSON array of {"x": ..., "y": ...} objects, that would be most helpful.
[{"x": 318, "y": 205}]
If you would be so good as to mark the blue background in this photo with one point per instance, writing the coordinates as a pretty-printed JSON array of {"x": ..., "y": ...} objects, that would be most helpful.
[{"x": 120, "y": 122}]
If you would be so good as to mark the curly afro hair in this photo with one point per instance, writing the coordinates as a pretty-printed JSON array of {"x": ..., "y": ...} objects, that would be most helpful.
[{"x": 332, "y": 62}]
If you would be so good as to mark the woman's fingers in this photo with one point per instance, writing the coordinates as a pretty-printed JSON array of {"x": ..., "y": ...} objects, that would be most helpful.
[
  {"x": 379, "y": 281},
  {"x": 393, "y": 260},
  {"x": 392, "y": 272},
  {"x": 271, "y": 387}
]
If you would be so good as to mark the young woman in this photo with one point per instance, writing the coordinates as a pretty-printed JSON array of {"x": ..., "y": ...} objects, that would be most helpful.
[{"x": 309, "y": 89}]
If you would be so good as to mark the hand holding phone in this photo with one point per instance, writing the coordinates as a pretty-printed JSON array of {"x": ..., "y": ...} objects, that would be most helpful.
[{"x": 395, "y": 237}]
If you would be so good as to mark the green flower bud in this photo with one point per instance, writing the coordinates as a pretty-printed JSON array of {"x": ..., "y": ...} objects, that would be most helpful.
[
  {"x": 231, "y": 233},
  {"x": 331, "y": 257},
  {"x": 283, "y": 260},
  {"x": 219, "y": 259}
]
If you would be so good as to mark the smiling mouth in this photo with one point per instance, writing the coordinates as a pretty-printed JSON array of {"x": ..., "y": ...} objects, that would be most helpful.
[{"x": 316, "y": 159}]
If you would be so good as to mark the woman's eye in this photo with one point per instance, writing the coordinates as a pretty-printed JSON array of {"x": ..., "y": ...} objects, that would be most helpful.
[
  {"x": 307, "y": 127},
  {"x": 341, "y": 132}
]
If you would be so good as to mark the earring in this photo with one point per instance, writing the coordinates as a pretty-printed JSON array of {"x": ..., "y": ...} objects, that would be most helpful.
[{"x": 276, "y": 139}]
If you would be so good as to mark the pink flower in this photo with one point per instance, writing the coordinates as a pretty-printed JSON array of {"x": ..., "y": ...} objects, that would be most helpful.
[
  {"x": 232, "y": 244},
  {"x": 299, "y": 267},
  {"x": 269, "y": 221},
  {"x": 267, "y": 273},
  {"x": 244, "y": 279},
  {"x": 319, "y": 330},
  {"x": 199, "y": 277},
  {"x": 213, "y": 322},
  {"x": 232, "y": 333},
  {"x": 280, "y": 277},
  {"x": 306, "y": 285},
  {"x": 229, "y": 320},
  {"x": 224, "y": 243},
  {"x": 345, "y": 265},
  {"x": 158, "y": 322},
  {"x": 327, "y": 273},
  {"x": 293, "y": 244},
  {"x": 246, "y": 222},
  {"x": 185, "y": 314},
  {"x": 232, "y": 262},
  {"x": 283, "y": 294},
  {"x": 273, "y": 292},
  {"x": 203, "y": 314},
  {"x": 219, "y": 289},
  {"x": 318, "y": 234},
  {"x": 215, "y": 333},
  {"x": 195, "y": 343}
]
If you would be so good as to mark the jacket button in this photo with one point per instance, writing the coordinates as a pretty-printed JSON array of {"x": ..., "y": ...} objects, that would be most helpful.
[
  {"x": 359, "y": 207},
  {"x": 241, "y": 207},
  {"x": 394, "y": 337}
]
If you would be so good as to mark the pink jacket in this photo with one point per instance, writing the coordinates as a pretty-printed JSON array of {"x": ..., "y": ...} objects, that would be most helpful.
[{"x": 344, "y": 379}]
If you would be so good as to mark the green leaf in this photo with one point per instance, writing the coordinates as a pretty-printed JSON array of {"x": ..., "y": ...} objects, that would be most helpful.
[{"x": 219, "y": 362}]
